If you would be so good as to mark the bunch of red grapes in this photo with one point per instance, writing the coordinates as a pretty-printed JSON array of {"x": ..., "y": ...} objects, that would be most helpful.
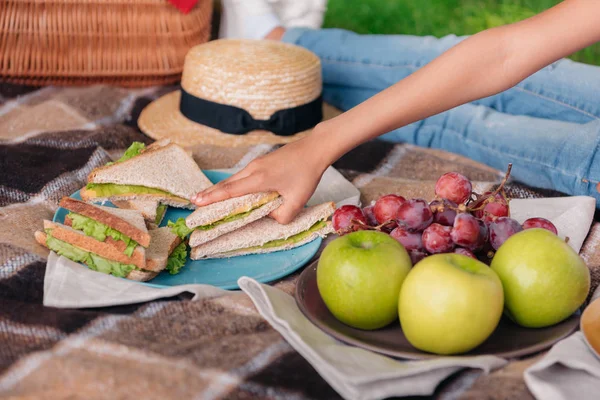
[{"x": 458, "y": 220}]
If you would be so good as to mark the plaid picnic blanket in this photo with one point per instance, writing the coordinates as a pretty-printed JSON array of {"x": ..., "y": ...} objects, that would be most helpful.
[{"x": 50, "y": 139}]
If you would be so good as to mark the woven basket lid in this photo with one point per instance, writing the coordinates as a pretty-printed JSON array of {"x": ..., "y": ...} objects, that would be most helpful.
[{"x": 260, "y": 76}]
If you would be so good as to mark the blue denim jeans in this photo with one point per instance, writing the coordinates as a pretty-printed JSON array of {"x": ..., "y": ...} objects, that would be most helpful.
[{"x": 548, "y": 126}]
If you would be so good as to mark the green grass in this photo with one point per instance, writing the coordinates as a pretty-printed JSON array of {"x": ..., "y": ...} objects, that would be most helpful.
[{"x": 437, "y": 17}]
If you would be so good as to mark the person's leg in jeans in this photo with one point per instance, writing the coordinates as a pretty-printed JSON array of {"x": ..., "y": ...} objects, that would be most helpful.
[{"x": 548, "y": 126}]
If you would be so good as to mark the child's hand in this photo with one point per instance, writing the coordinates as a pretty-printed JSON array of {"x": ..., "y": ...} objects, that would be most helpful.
[{"x": 293, "y": 171}]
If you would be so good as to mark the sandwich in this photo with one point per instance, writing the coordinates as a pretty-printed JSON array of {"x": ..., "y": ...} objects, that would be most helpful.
[
  {"x": 123, "y": 229},
  {"x": 162, "y": 172},
  {"x": 214, "y": 220},
  {"x": 152, "y": 211},
  {"x": 266, "y": 235},
  {"x": 166, "y": 251}
]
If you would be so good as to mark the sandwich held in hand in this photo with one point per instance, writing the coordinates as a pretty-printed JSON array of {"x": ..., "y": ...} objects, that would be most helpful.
[
  {"x": 217, "y": 219},
  {"x": 266, "y": 235},
  {"x": 450, "y": 301},
  {"x": 165, "y": 174}
]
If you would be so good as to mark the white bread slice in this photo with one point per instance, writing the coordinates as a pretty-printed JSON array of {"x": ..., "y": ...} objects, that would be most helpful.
[
  {"x": 169, "y": 168},
  {"x": 200, "y": 236},
  {"x": 128, "y": 222},
  {"x": 214, "y": 212},
  {"x": 146, "y": 207},
  {"x": 263, "y": 231},
  {"x": 162, "y": 245},
  {"x": 198, "y": 254},
  {"x": 103, "y": 249},
  {"x": 136, "y": 275}
]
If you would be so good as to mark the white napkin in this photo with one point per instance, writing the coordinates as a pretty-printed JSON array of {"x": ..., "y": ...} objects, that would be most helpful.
[
  {"x": 572, "y": 216},
  {"x": 353, "y": 372},
  {"x": 569, "y": 371},
  {"x": 68, "y": 284},
  {"x": 71, "y": 285}
]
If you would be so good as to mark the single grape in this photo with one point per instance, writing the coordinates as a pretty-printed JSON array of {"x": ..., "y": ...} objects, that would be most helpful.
[
  {"x": 370, "y": 215},
  {"x": 492, "y": 211},
  {"x": 465, "y": 252},
  {"x": 483, "y": 235},
  {"x": 386, "y": 208},
  {"x": 444, "y": 211},
  {"x": 415, "y": 215},
  {"x": 437, "y": 239},
  {"x": 410, "y": 240},
  {"x": 501, "y": 229},
  {"x": 465, "y": 231},
  {"x": 416, "y": 256},
  {"x": 454, "y": 187},
  {"x": 539, "y": 222},
  {"x": 345, "y": 215}
]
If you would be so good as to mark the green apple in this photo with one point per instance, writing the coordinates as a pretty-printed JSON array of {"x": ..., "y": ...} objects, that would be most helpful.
[
  {"x": 544, "y": 279},
  {"x": 450, "y": 304},
  {"x": 359, "y": 276}
]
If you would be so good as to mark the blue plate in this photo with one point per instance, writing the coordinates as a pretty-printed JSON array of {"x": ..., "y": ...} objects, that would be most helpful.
[{"x": 225, "y": 272}]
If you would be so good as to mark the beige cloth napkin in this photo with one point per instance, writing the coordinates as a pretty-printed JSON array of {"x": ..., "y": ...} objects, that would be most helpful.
[
  {"x": 569, "y": 371},
  {"x": 353, "y": 372}
]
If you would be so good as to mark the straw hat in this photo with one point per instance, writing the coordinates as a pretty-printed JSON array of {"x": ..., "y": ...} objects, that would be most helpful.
[{"x": 261, "y": 77}]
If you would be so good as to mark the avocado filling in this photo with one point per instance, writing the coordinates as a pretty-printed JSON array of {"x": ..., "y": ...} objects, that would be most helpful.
[
  {"x": 282, "y": 242},
  {"x": 112, "y": 189},
  {"x": 100, "y": 232},
  {"x": 93, "y": 261},
  {"x": 176, "y": 260},
  {"x": 180, "y": 228},
  {"x": 160, "y": 213}
]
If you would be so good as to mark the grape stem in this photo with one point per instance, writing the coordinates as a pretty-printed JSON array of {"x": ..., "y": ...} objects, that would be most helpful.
[{"x": 481, "y": 201}]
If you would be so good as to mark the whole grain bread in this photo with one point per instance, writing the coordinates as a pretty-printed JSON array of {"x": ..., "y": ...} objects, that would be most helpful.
[
  {"x": 217, "y": 211},
  {"x": 169, "y": 168},
  {"x": 161, "y": 246},
  {"x": 198, "y": 253},
  {"x": 129, "y": 222},
  {"x": 200, "y": 236},
  {"x": 265, "y": 230},
  {"x": 103, "y": 249}
]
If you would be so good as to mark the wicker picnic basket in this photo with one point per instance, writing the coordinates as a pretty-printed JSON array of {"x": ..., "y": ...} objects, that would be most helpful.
[{"x": 130, "y": 43}]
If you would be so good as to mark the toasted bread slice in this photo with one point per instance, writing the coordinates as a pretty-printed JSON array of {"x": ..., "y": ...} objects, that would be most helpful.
[
  {"x": 168, "y": 168},
  {"x": 128, "y": 222},
  {"x": 136, "y": 275},
  {"x": 200, "y": 236},
  {"x": 161, "y": 246},
  {"x": 247, "y": 240},
  {"x": 103, "y": 249}
]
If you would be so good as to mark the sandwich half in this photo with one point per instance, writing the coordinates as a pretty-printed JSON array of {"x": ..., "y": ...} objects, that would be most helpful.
[
  {"x": 166, "y": 251},
  {"x": 152, "y": 211},
  {"x": 164, "y": 173},
  {"x": 123, "y": 229},
  {"x": 217, "y": 219},
  {"x": 266, "y": 235}
]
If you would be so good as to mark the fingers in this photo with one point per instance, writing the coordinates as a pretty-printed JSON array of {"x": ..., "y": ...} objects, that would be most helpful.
[
  {"x": 235, "y": 177},
  {"x": 287, "y": 211},
  {"x": 226, "y": 190}
]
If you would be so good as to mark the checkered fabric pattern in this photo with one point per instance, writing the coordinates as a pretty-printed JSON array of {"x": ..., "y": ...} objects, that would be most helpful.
[{"x": 50, "y": 139}]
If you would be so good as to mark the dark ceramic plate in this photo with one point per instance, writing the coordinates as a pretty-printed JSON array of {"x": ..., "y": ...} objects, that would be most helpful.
[{"x": 508, "y": 340}]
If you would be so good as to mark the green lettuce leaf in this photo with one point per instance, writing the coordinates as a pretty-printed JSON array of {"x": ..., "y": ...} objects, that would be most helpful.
[
  {"x": 179, "y": 228},
  {"x": 134, "y": 150},
  {"x": 100, "y": 232},
  {"x": 93, "y": 261},
  {"x": 177, "y": 259}
]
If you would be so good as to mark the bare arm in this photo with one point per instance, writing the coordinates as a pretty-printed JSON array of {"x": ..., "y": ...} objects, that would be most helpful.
[{"x": 482, "y": 65}]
